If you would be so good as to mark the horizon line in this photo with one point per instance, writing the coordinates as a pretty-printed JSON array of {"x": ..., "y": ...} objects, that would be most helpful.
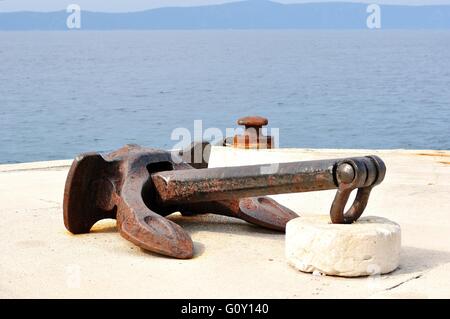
[{"x": 363, "y": 2}]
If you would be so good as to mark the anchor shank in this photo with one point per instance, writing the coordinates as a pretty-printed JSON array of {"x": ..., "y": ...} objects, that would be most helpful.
[{"x": 224, "y": 183}]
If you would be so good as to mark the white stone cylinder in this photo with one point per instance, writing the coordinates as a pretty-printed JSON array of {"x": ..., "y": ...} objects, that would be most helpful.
[{"x": 369, "y": 246}]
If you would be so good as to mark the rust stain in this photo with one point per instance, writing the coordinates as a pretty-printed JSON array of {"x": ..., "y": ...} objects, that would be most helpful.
[
  {"x": 446, "y": 163},
  {"x": 434, "y": 154}
]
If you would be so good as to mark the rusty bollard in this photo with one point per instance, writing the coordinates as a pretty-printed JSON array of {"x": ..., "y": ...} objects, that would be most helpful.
[{"x": 252, "y": 137}]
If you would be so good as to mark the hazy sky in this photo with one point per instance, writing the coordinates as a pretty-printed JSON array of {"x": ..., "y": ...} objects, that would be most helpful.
[{"x": 136, "y": 5}]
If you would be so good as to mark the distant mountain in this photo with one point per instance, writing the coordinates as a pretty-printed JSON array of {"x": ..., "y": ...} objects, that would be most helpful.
[{"x": 252, "y": 14}]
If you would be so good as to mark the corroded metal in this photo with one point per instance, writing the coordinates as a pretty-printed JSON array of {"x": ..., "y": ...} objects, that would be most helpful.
[
  {"x": 253, "y": 137},
  {"x": 362, "y": 173},
  {"x": 139, "y": 186},
  {"x": 119, "y": 186},
  {"x": 244, "y": 181}
]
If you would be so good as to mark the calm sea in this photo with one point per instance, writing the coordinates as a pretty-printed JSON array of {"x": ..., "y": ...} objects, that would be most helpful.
[{"x": 62, "y": 93}]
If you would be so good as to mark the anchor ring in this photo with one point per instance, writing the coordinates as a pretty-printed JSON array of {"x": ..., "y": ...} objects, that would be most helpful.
[{"x": 350, "y": 174}]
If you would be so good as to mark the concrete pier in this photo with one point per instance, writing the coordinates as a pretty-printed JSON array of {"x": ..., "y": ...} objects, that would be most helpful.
[{"x": 233, "y": 259}]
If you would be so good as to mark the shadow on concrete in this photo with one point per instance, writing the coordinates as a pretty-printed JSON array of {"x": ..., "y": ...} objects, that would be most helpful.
[
  {"x": 221, "y": 224},
  {"x": 199, "y": 223},
  {"x": 416, "y": 260},
  {"x": 199, "y": 249}
]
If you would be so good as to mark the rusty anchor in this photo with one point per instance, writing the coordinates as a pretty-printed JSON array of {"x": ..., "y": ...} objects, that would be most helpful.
[{"x": 140, "y": 186}]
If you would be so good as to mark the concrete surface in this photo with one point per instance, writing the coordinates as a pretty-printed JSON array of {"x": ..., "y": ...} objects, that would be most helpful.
[{"x": 40, "y": 259}]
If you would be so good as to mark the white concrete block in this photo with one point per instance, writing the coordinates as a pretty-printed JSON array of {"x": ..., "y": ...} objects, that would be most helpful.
[{"x": 368, "y": 247}]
